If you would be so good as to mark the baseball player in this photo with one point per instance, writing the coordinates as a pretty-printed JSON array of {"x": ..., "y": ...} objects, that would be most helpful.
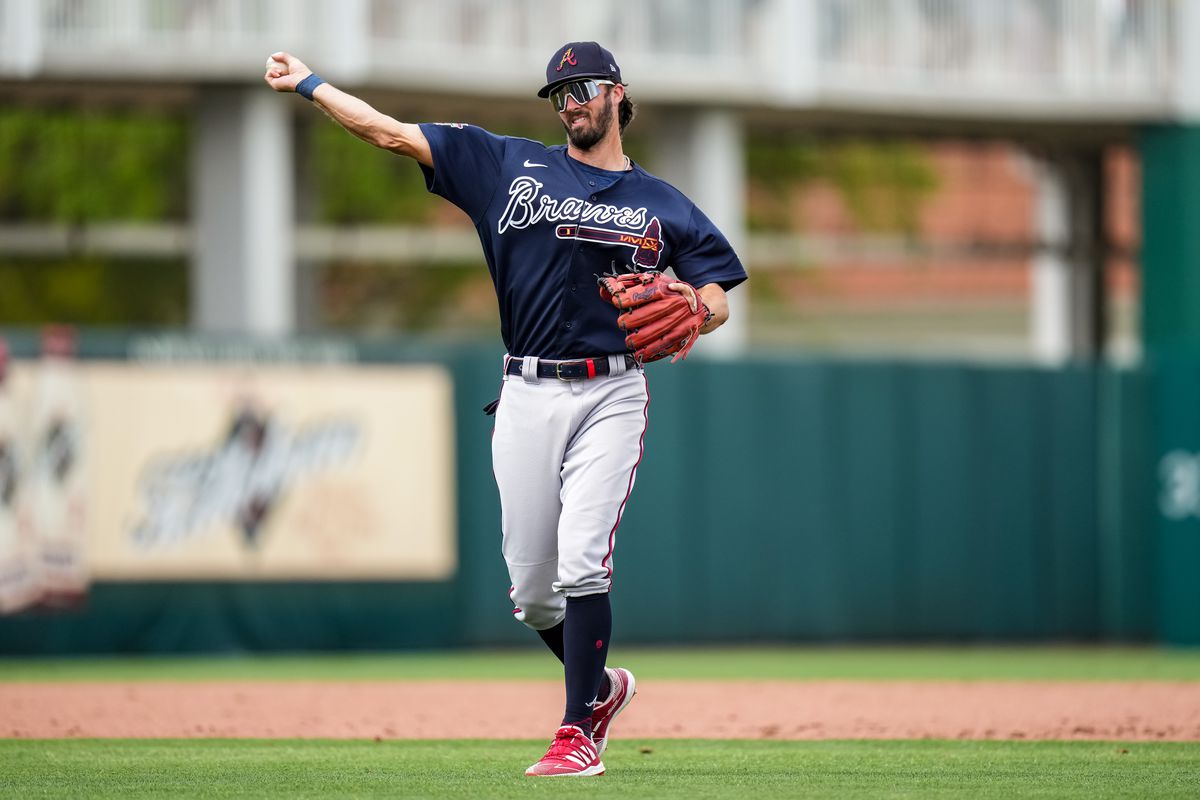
[{"x": 572, "y": 412}]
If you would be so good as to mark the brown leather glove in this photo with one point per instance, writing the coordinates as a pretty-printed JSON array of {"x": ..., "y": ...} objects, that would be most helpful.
[{"x": 658, "y": 321}]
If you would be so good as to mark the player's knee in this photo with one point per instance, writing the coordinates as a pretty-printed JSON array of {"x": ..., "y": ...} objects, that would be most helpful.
[{"x": 538, "y": 609}]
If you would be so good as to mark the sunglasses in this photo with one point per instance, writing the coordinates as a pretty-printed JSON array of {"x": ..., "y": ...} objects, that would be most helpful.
[{"x": 583, "y": 91}]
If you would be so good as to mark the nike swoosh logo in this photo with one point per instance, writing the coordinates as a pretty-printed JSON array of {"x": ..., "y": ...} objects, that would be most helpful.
[{"x": 529, "y": 163}]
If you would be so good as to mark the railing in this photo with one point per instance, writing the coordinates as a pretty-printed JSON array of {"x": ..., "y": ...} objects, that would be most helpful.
[
  {"x": 1047, "y": 47},
  {"x": 1105, "y": 54}
]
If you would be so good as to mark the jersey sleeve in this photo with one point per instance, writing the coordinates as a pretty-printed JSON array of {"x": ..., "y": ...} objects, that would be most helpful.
[
  {"x": 466, "y": 165},
  {"x": 705, "y": 256}
]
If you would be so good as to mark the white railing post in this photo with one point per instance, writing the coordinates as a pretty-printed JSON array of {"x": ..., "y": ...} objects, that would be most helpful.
[
  {"x": 127, "y": 21},
  {"x": 790, "y": 59},
  {"x": 20, "y": 37},
  {"x": 1187, "y": 60},
  {"x": 909, "y": 42},
  {"x": 346, "y": 39}
]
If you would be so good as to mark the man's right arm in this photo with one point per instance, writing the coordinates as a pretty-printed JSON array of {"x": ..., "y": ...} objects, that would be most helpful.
[{"x": 356, "y": 116}]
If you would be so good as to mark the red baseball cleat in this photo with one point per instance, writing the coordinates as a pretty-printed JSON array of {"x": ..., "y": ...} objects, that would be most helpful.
[
  {"x": 571, "y": 753},
  {"x": 622, "y": 688}
]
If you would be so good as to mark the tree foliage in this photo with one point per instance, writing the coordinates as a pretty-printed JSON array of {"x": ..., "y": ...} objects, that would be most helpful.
[
  {"x": 356, "y": 183},
  {"x": 71, "y": 166},
  {"x": 882, "y": 184},
  {"x": 93, "y": 291}
]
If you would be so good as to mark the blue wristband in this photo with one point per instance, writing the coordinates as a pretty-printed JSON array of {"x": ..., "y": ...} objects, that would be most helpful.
[{"x": 305, "y": 87}]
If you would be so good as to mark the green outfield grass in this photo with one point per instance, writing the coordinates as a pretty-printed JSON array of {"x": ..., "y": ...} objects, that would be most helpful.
[
  {"x": 778, "y": 663},
  {"x": 668, "y": 769}
]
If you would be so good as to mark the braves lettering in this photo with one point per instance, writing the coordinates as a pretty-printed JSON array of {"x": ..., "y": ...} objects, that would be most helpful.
[
  {"x": 528, "y": 206},
  {"x": 567, "y": 58}
]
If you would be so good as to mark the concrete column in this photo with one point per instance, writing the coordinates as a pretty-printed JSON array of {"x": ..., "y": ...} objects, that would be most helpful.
[
  {"x": 702, "y": 153},
  {"x": 1050, "y": 303},
  {"x": 242, "y": 206},
  {"x": 1070, "y": 302},
  {"x": 1089, "y": 254},
  {"x": 309, "y": 313}
]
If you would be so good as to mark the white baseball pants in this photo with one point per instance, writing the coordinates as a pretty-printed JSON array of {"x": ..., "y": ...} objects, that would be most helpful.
[{"x": 565, "y": 454}]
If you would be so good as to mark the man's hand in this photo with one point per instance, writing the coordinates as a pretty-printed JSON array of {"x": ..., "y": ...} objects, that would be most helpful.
[
  {"x": 718, "y": 305},
  {"x": 284, "y": 71}
]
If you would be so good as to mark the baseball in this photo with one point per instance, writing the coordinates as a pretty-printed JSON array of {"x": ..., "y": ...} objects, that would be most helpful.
[{"x": 278, "y": 65}]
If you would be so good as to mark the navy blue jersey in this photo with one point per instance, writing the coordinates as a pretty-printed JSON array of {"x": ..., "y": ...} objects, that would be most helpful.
[{"x": 549, "y": 226}]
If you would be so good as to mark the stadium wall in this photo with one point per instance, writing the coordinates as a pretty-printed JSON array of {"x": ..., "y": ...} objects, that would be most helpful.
[{"x": 797, "y": 499}]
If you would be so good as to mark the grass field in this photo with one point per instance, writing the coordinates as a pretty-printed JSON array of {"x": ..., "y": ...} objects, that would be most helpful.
[
  {"x": 757, "y": 663},
  {"x": 479, "y": 768},
  {"x": 666, "y": 769}
]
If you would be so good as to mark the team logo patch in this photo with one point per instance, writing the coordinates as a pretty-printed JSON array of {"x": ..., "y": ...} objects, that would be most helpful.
[
  {"x": 567, "y": 58},
  {"x": 647, "y": 244}
]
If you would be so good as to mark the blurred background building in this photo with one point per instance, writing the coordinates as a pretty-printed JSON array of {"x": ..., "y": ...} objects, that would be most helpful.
[
  {"x": 967, "y": 224},
  {"x": 924, "y": 176}
]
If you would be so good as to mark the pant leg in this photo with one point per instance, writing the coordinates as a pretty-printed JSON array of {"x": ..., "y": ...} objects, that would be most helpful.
[
  {"x": 531, "y": 433},
  {"x": 599, "y": 467}
]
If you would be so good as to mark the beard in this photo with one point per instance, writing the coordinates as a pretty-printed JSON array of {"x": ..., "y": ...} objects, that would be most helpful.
[{"x": 588, "y": 136}]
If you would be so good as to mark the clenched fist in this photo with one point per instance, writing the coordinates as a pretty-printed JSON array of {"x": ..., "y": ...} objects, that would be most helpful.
[{"x": 284, "y": 71}]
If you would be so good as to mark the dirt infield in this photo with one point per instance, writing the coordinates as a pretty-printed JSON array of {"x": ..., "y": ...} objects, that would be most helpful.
[{"x": 777, "y": 710}]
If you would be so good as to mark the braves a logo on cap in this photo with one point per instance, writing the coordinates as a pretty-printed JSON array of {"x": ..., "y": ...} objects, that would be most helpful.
[{"x": 567, "y": 58}]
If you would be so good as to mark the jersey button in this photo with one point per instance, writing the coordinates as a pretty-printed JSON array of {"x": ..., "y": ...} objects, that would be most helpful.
[
  {"x": 567, "y": 324},
  {"x": 574, "y": 287},
  {"x": 591, "y": 183},
  {"x": 593, "y": 197}
]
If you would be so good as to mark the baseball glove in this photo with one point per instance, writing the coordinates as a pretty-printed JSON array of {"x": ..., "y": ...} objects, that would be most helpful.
[{"x": 658, "y": 321}]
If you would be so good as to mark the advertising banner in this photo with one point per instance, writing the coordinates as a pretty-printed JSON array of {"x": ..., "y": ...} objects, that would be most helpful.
[
  {"x": 124, "y": 471},
  {"x": 271, "y": 472}
]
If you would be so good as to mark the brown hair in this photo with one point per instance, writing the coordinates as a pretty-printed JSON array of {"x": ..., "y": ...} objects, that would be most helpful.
[{"x": 626, "y": 112}]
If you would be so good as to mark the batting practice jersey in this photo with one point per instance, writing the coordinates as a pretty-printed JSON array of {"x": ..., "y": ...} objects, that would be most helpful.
[{"x": 549, "y": 227}]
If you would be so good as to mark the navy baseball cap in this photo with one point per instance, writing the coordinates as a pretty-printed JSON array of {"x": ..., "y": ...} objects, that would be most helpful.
[{"x": 575, "y": 60}]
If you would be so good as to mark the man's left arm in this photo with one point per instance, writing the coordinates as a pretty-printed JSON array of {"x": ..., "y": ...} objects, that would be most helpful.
[
  {"x": 708, "y": 263},
  {"x": 718, "y": 305},
  {"x": 713, "y": 297}
]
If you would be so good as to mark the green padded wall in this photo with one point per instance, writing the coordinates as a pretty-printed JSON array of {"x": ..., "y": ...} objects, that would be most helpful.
[
  {"x": 1170, "y": 158},
  {"x": 779, "y": 499}
]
